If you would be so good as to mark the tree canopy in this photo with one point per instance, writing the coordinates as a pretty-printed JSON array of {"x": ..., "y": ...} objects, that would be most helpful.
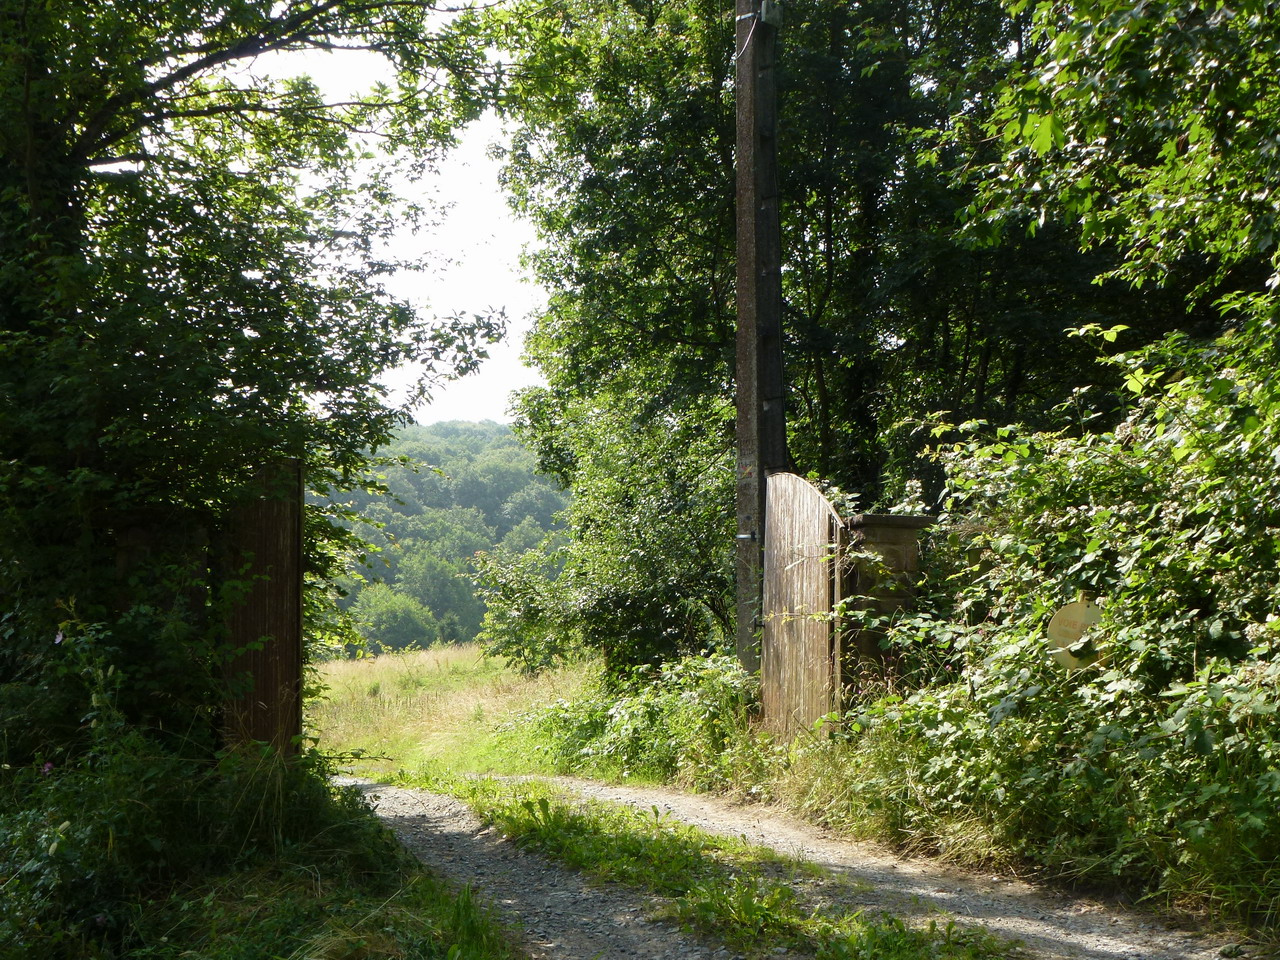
[
  {"x": 894, "y": 309},
  {"x": 192, "y": 279},
  {"x": 1152, "y": 129}
]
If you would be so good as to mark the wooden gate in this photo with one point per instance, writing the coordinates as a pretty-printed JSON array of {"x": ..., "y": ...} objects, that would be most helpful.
[
  {"x": 265, "y": 627},
  {"x": 800, "y": 646}
]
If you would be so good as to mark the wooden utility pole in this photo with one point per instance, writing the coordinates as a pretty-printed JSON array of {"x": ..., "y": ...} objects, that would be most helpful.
[{"x": 761, "y": 426}]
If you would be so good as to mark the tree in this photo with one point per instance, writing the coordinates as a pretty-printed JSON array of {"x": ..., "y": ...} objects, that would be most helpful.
[
  {"x": 537, "y": 506},
  {"x": 1153, "y": 130},
  {"x": 455, "y": 533},
  {"x": 444, "y": 588},
  {"x": 191, "y": 274},
  {"x": 390, "y": 620},
  {"x": 1150, "y": 129},
  {"x": 523, "y": 537},
  {"x": 643, "y": 574},
  {"x": 891, "y": 311}
]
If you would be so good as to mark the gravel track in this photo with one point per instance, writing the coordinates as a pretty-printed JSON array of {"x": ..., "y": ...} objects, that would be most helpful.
[{"x": 561, "y": 914}]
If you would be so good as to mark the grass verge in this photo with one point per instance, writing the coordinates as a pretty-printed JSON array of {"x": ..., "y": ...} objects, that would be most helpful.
[
  {"x": 304, "y": 910},
  {"x": 248, "y": 861},
  {"x": 747, "y": 896}
]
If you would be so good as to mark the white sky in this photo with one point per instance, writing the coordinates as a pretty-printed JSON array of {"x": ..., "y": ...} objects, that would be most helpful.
[
  {"x": 478, "y": 248},
  {"x": 473, "y": 254}
]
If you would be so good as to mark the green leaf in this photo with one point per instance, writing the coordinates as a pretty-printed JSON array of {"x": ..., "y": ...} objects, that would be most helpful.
[{"x": 1048, "y": 133}]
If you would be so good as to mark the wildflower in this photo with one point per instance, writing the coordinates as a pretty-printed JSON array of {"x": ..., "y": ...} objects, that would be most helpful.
[
  {"x": 57, "y": 637},
  {"x": 47, "y": 768}
]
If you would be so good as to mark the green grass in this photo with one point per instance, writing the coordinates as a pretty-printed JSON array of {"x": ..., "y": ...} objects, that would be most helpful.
[
  {"x": 301, "y": 911},
  {"x": 747, "y": 896},
  {"x": 443, "y": 706}
]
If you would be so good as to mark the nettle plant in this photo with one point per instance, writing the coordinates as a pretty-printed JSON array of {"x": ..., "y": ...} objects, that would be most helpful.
[{"x": 1159, "y": 761}]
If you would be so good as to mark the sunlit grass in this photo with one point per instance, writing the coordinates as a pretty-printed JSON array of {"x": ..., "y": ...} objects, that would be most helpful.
[{"x": 435, "y": 707}]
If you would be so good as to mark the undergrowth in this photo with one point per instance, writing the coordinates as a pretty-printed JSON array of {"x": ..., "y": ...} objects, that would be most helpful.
[
  {"x": 125, "y": 856},
  {"x": 1155, "y": 764},
  {"x": 118, "y": 844},
  {"x": 685, "y": 722}
]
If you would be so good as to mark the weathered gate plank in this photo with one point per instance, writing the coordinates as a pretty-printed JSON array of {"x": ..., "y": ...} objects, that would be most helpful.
[
  {"x": 266, "y": 626},
  {"x": 800, "y": 643}
]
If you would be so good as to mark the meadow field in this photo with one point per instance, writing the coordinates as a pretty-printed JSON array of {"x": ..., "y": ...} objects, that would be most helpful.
[{"x": 446, "y": 706}]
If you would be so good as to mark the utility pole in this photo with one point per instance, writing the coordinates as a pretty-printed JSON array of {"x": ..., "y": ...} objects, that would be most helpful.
[{"x": 761, "y": 425}]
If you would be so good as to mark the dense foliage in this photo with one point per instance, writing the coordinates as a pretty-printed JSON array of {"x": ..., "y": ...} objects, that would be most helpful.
[
  {"x": 192, "y": 267},
  {"x": 455, "y": 493},
  {"x": 893, "y": 311},
  {"x": 643, "y": 571},
  {"x": 132, "y": 851},
  {"x": 686, "y": 721},
  {"x": 1157, "y": 762},
  {"x": 1153, "y": 130}
]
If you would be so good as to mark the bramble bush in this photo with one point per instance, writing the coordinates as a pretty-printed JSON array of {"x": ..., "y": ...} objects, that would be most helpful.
[
  {"x": 686, "y": 721},
  {"x": 1160, "y": 761}
]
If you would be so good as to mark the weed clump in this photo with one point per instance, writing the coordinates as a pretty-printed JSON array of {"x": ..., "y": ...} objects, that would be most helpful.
[
  {"x": 686, "y": 721},
  {"x": 751, "y": 898}
]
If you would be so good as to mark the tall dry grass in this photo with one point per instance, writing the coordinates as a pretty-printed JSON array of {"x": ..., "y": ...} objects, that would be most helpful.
[{"x": 442, "y": 706}]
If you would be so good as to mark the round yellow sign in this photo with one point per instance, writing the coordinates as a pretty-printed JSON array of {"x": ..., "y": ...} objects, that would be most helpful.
[{"x": 1065, "y": 630}]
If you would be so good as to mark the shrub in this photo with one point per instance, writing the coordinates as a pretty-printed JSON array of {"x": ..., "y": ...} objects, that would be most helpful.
[
  {"x": 107, "y": 827},
  {"x": 687, "y": 720},
  {"x": 1160, "y": 762}
]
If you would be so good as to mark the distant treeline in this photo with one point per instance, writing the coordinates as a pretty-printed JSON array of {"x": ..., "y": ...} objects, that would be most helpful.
[{"x": 460, "y": 489}]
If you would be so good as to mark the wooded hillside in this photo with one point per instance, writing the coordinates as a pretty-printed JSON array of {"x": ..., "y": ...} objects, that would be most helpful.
[{"x": 454, "y": 492}]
